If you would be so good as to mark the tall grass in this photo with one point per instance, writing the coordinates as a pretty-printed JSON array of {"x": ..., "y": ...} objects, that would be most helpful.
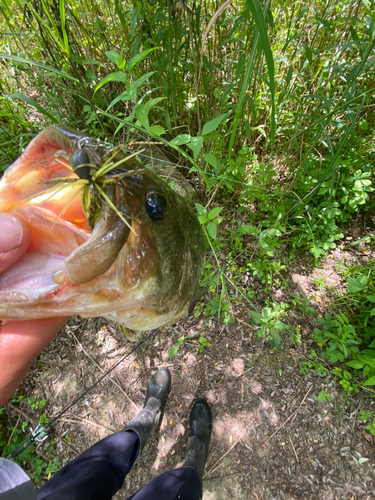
[{"x": 291, "y": 79}]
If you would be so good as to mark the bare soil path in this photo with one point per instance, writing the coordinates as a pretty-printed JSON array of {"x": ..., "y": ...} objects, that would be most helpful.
[{"x": 272, "y": 438}]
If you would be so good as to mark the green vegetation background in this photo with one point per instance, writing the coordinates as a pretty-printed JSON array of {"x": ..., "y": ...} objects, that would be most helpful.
[{"x": 270, "y": 106}]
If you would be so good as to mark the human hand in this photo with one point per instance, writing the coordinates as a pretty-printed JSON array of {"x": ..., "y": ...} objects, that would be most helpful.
[{"x": 20, "y": 341}]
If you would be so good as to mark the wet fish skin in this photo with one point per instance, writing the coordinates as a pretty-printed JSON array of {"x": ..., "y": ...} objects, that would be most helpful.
[{"x": 155, "y": 273}]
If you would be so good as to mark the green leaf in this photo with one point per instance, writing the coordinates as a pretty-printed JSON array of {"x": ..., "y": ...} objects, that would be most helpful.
[
  {"x": 130, "y": 93},
  {"x": 137, "y": 83},
  {"x": 369, "y": 381},
  {"x": 246, "y": 228},
  {"x": 202, "y": 219},
  {"x": 256, "y": 10},
  {"x": 308, "y": 53},
  {"x": 201, "y": 209},
  {"x": 214, "y": 212},
  {"x": 195, "y": 145},
  {"x": 321, "y": 397},
  {"x": 90, "y": 74},
  {"x": 267, "y": 313},
  {"x": 355, "y": 364},
  {"x": 181, "y": 139},
  {"x": 279, "y": 325},
  {"x": 212, "y": 230},
  {"x": 34, "y": 104},
  {"x": 63, "y": 20},
  {"x": 210, "y": 159},
  {"x": 26, "y": 454},
  {"x": 213, "y": 124},
  {"x": 157, "y": 130},
  {"x": 142, "y": 111},
  {"x": 151, "y": 103},
  {"x": 125, "y": 96},
  {"x": 357, "y": 284},
  {"x": 256, "y": 317},
  {"x": 276, "y": 340},
  {"x": 139, "y": 57},
  {"x": 173, "y": 351},
  {"x": 371, "y": 298},
  {"x": 362, "y": 279},
  {"x": 114, "y": 57},
  {"x": 119, "y": 76},
  {"x": 23, "y": 60}
]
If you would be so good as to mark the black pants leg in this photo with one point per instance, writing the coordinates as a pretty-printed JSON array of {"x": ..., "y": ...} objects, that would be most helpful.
[
  {"x": 176, "y": 484},
  {"x": 96, "y": 474}
]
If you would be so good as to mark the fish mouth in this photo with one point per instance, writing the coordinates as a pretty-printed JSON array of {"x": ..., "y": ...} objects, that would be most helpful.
[
  {"x": 111, "y": 230},
  {"x": 112, "y": 180},
  {"x": 135, "y": 254},
  {"x": 50, "y": 173}
]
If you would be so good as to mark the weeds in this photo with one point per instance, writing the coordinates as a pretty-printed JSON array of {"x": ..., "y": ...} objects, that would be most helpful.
[
  {"x": 324, "y": 396},
  {"x": 271, "y": 110},
  {"x": 11, "y": 437},
  {"x": 270, "y": 324}
]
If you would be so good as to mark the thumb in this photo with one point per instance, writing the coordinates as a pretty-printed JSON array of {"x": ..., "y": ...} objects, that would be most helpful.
[{"x": 15, "y": 236}]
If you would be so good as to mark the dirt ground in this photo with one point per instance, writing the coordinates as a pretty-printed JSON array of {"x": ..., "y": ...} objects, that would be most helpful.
[{"x": 271, "y": 438}]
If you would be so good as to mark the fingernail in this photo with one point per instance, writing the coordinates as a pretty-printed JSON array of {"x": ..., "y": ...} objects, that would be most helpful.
[{"x": 11, "y": 233}]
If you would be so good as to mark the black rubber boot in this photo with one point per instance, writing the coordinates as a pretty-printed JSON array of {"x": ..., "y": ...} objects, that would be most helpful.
[
  {"x": 147, "y": 420},
  {"x": 199, "y": 437}
]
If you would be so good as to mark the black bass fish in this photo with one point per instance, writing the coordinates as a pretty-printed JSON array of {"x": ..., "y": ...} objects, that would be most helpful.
[{"x": 109, "y": 237}]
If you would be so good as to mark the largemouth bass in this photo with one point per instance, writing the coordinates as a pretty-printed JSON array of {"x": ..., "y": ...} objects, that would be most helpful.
[{"x": 109, "y": 237}]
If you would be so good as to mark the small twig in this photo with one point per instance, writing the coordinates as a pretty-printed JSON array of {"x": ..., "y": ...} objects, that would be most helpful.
[
  {"x": 290, "y": 416},
  {"x": 225, "y": 475},
  {"x": 291, "y": 442},
  {"x": 299, "y": 383},
  {"x": 304, "y": 418},
  {"x": 221, "y": 458},
  {"x": 27, "y": 417},
  {"x": 98, "y": 366},
  {"x": 84, "y": 420},
  {"x": 65, "y": 441},
  {"x": 244, "y": 373},
  {"x": 147, "y": 143}
]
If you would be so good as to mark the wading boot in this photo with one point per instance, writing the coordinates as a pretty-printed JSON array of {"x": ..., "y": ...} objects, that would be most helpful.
[
  {"x": 199, "y": 437},
  {"x": 147, "y": 420}
]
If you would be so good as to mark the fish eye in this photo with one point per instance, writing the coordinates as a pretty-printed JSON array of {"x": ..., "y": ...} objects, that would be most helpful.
[{"x": 156, "y": 205}]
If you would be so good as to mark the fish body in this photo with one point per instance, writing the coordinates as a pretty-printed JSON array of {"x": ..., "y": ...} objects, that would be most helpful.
[{"x": 135, "y": 255}]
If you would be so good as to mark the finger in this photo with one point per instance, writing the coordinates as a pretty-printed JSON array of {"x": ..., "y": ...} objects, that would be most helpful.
[
  {"x": 20, "y": 344},
  {"x": 15, "y": 237}
]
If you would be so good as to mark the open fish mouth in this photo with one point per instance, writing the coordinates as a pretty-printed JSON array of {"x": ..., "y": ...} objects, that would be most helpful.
[{"x": 108, "y": 236}]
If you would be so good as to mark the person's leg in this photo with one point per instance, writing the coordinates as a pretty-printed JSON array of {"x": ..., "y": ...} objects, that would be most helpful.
[
  {"x": 99, "y": 472},
  {"x": 185, "y": 483},
  {"x": 176, "y": 484}
]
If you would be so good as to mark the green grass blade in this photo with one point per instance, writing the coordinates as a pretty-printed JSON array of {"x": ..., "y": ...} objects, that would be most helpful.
[
  {"x": 23, "y": 60},
  {"x": 244, "y": 87},
  {"x": 258, "y": 15},
  {"x": 63, "y": 20},
  {"x": 34, "y": 104}
]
